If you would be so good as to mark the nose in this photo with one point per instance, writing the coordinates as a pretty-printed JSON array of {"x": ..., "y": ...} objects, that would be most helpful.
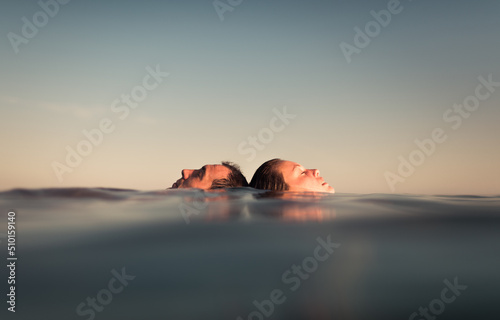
[
  {"x": 186, "y": 173},
  {"x": 315, "y": 172}
]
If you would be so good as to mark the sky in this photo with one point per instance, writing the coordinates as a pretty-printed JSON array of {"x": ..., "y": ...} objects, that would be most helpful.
[{"x": 380, "y": 96}]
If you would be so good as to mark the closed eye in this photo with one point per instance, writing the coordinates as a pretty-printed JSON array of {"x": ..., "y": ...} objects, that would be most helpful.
[{"x": 202, "y": 172}]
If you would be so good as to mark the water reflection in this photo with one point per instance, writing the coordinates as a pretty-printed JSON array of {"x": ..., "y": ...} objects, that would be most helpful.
[
  {"x": 212, "y": 206},
  {"x": 293, "y": 206},
  {"x": 287, "y": 206}
]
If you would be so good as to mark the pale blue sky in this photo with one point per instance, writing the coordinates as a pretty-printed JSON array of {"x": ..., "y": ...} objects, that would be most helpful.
[{"x": 352, "y": 120}]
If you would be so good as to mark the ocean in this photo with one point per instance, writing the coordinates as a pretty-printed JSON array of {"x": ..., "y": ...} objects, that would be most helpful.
[{"x": 97, "y": 253}]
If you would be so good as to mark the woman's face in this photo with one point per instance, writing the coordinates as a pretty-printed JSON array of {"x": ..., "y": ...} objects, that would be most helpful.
[{"x": 300, "y": 179}]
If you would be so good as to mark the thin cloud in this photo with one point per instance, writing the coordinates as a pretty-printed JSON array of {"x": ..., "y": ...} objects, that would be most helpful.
[{"x": 80, "y": 112}]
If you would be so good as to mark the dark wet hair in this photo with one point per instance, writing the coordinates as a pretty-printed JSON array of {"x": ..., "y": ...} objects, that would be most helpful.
[
  {"x": 234, "y": 179},
  {"x": 267, "y": 177}
]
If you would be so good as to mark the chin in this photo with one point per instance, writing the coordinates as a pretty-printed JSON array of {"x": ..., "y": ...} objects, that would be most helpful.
[{"x": 327, "y": 188}]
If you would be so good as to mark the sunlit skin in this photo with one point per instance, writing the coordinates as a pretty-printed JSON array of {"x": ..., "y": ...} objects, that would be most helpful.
[
  {"x": 300, "y": 179},
  {"x": 201, "y": 178}
]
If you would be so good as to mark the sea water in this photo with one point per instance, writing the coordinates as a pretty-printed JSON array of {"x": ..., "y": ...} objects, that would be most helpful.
[{"x": 247, "y": 254}]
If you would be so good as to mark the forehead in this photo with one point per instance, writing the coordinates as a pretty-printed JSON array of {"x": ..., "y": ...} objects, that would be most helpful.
[
  {"x": 289, "y": 165},
  {"x": 217, "y": 171}
]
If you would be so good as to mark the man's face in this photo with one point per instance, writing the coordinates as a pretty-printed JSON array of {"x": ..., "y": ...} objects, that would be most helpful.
[
  {"x": 201, "y": 178},
  {"x": 300, "y": 179}
]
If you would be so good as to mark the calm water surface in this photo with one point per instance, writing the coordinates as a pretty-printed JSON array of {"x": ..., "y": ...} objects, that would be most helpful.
[{"x": 253, "y": 255}]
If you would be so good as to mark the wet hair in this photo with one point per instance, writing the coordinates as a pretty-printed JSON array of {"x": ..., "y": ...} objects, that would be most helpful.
[
  {"x": 233, "y": 180},
  {"x": 267, "y": 177}
]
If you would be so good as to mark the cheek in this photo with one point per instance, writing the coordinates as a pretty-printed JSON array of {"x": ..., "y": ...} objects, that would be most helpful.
[
  {"x": 195, "y": 183},
  {"x": 310, "y": 181},
  {"x": 302, "y": 181}
]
